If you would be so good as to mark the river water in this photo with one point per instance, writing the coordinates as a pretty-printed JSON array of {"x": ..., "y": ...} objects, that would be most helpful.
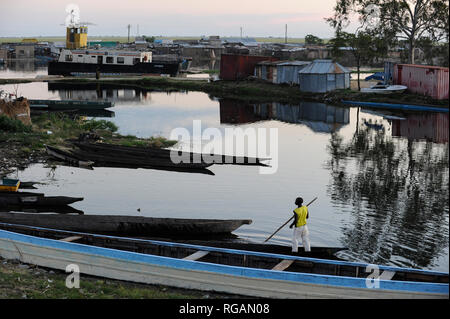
[{"x": 381, "y": 179}]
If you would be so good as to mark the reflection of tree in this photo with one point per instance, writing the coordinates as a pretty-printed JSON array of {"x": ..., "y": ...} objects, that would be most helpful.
[{"x": 398, "y": 194}]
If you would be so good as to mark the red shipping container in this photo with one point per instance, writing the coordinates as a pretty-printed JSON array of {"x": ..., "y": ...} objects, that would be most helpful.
[
  {"x": 238, "y": 67},
  {"x": 423, "y": 79}
]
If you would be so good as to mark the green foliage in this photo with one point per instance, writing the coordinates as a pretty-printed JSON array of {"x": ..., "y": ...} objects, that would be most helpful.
[
  {"x": 92, "y": 125},
  {"x": 12, "y": 125},
  {"x": 313, "y": 40}
]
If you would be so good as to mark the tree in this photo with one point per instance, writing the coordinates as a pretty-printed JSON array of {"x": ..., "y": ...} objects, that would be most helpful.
[
  {"x": 409, "y": 20},
  {"x": 313, "y": 40},
  {"x": 363, "y": 45}
]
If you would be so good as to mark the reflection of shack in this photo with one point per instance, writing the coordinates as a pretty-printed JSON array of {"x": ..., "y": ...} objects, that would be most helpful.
[
  {"x": 237, "y": 112},
  {"x": 431, "y": 127},
  {"x": 279, "y": 72},
  {"x": 319, "y": 117},
  {"x": 324, "y": 76}
]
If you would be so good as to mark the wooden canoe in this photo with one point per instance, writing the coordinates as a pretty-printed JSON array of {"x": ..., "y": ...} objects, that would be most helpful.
[
  {"x": 27, "y": 199},
  {"x": 136, "y": 244},
  {"x": 106, "y": 149},
  {"x": 128, "y": 225},
  {"x": 111, "y": 159},
  {"x": 224, "y": 270}
]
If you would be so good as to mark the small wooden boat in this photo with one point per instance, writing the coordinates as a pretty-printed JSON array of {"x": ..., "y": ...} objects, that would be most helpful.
[
  {"x": 128, "y": 225},
  {"x": 385, "y": 89},
  {"x": 66, "y": 156},
  {"x": 26, "y": 199},
  {"x": 9, "y": 185},
  {"x": 224, "y": 270}
]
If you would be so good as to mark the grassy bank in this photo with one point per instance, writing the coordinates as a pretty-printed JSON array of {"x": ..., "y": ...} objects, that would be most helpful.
[
  {"x": 21, "y": 145},
  {"x": 22, "y": 281}
]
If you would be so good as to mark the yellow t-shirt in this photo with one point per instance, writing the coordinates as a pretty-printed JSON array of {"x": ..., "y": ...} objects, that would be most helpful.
[{"x": 301, "y": 212}]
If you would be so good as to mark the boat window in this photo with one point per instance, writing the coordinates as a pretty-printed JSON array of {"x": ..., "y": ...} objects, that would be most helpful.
[
  {"x": 120, "y": 60},
  {"x": 109, "y": 59},
  {"x": 136, "y": 60},
  {"x": 69, "y": 58},
  {"x": 80, "y": 55}
]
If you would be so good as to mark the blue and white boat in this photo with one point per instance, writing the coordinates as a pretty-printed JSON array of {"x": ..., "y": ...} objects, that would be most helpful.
[{"x": 216, "y": 269}]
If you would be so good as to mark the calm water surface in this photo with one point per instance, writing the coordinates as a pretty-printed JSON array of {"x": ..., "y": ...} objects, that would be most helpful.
[{"x": 381, "y": 181}]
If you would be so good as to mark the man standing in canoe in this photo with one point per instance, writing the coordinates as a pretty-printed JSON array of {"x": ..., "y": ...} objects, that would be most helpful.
[{"x": 300, "y": 228}]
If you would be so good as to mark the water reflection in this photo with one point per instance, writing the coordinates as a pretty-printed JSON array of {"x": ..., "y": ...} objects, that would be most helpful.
[
  {"x": 319, "y": 117},
  {"x": 397, "y": 190}
]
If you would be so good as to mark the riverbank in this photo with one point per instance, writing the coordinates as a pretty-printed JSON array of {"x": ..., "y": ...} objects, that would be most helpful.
[
  {"x": 24, "y": 281},
  {"x": 252, "y": 90},
  {"x": 22, "y": 145}
]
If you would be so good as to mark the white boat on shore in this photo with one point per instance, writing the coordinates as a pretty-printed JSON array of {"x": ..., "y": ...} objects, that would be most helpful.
[{"x": 385, "y": 89}]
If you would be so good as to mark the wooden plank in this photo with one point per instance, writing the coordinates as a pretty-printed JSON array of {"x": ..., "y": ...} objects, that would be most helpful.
[
  {"x": 283, "y": 264},
  {"x": 71, "y": 238},
  {"x": 197, "y": 255}
]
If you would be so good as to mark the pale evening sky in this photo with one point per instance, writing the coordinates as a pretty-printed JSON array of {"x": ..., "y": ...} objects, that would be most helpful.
[{"x": 258, "y": 18}]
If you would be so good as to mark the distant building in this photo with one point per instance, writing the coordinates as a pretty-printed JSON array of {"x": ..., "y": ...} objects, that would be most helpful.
[
  {"x": 324, "y": 76},
  {"x": 248, "y": 42},
  {"x": 238, "y": 67}
]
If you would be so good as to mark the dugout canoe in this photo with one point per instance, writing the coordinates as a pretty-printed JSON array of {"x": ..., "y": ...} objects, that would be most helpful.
[
  {"x": 27, "y": 199},
  {"x": 128, "y": 225},
  {"x": 225, "y": 270}
]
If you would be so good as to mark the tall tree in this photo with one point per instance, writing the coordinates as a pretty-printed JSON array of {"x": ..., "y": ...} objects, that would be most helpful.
[
  {"x": 363, "y": 45},
  {"x": 408, "y": 20}
]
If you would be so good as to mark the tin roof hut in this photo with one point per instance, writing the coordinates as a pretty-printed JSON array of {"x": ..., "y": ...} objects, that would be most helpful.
[{"x": 324, "y": 76}]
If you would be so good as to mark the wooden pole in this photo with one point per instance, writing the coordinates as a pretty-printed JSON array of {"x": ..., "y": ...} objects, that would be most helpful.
[{"x": 287, "y": 222}]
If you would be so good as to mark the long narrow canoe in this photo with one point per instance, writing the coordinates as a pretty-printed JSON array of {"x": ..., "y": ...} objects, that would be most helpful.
[
  {"x": 128, "y": 225},
  {"x": 105, "y": 149},
  {"x": 138, "y": 245},
  {"x": 27, "y": 199},
  {"x": 405, "y": 107},
  {"x": 226, "y": 270}
]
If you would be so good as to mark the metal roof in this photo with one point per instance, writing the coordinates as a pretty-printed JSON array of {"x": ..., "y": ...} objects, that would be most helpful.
[
  {"x": 324, "y": 67},
  {"x": 284, "y": 63}
]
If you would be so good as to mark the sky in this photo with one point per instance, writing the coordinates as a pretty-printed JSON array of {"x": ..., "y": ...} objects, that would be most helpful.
[{"x": 257, "y": 18}]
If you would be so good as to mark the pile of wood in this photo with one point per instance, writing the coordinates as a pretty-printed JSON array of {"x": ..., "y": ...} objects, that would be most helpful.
[{"x": 18, "y": 109}]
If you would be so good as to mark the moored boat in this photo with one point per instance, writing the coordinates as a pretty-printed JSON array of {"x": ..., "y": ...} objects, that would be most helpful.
[
  {"x": 128, "y": 225},
  {"x": 110, "y": 62},
  {"x": 226, "y": 270},
  {"x": 26, "y": 199},
  {"x": 9, "y": 185},
  {"x": 385, "y": 89}
]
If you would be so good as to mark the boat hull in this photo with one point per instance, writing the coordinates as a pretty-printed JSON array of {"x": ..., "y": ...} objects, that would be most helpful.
[
  {"x": 127, "y": 225},
  {"x": 150, "y": 269},
  {"x": 68, "y": 68}
]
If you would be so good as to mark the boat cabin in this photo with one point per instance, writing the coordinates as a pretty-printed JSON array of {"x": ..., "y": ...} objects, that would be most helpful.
[{"x": 105, "y": 57}]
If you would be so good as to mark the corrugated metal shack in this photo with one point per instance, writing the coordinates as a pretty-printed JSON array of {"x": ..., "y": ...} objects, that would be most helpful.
[
  {"x": 279, "y": 72},
  {"x": 423, "y": 79},
  {"x": 238, "y": 67},
  {"x": 324, "y": 76}
]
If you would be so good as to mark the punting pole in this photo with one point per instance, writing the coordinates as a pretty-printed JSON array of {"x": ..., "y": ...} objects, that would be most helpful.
[{"x": 287, "y": 222}]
